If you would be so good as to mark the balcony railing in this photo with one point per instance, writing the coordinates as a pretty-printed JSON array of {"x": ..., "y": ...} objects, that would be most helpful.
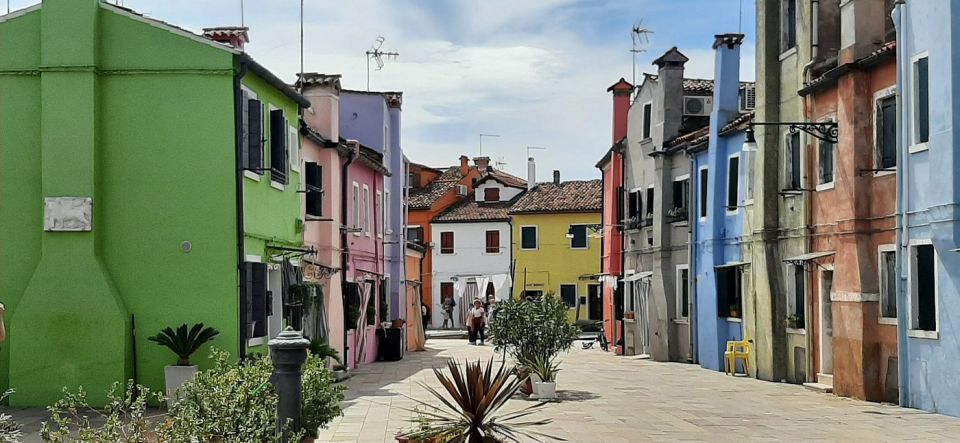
[
  {"x": 646, "y": 221},
  {"x": 677, "y": 215}
]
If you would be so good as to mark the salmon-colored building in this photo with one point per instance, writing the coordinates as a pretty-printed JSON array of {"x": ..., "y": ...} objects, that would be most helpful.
[
  {"x": 432, "y": 191},
  {"x": 849, "y": 271}
]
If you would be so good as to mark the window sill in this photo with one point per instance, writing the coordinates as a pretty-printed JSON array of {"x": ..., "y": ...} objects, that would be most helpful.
[
  {"x": 251, "y": 175},
  {"x": 826, "y": 186},
  {"x": 731, "y": 213},
  {"x": 930, "y": 335},
  {"x": 529, "y": 249},
  {"x": 492, "y": 253},
  {"x": 795, "y": 331},
  {"x": 733, "y": 319},
  {"x": 885, "y": 173},
  {"x": 681, "y": 321},
  {"x": 786, "y": 54},
  {"x": 919, "y": 147},
  {"x": 887, "y": 321},
  {"x": 277, "y": 186},
  {"x": 258, "y": 341},
  {"x": 579, "y": 249}
]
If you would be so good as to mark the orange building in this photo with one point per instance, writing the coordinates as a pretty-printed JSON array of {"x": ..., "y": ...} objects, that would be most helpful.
[{"x": 432, "y": 191}]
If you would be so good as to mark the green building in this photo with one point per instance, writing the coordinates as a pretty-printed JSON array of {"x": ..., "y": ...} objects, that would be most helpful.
[{"x": 143, "y": 170}]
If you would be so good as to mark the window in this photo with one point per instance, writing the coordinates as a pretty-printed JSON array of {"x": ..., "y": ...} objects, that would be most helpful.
[
  {"x": 446, "y": 290},
  {"x": 568, "y": 293},
  {"x": 293, "y": 141},
  {"x": 886, "y": 133},
  {"x": 579, "y": 240},
  {"x": 411, "y": 180},
  {"x": 446, "y": 242},
  {"x": 728, "y": 292},
  {"x": 379, "y": 212},
  {"x": 255, "y": 299},
  {"x": 792, "y": 173},
  {"x": 825, "y": 161},
  {"x": 796, "y": 296},
  {"x": 888, "y": 282},
  {"x": 733, "y": 183},
  {"x": 366, "y": 210},
  {"x": 921, "y": 101},
  {"x": 313, "y": 182},
  {"x": 279, "y": 152},
  {"x": 788, "y": 27},
  {"x": 650, "y": 201},
  {"x": 702, "y": 194},
  {"x": 528, "y": 237},
  {"x": 356, "y": 209},
  {"x": 923, "y": 288},
  {"x": 387, "y": 204},
  {"x": 415, "y": 234},
  {"x": 647, "y": 108},
  {"x": 681, "y": 195},
  {"x": 683, "y": 292},
  {"x": 251, "y": 133},
  {"x": 634, "y": 204},
  {"x": 491, "y": 194},
  {"x": 493, "y": 242}
]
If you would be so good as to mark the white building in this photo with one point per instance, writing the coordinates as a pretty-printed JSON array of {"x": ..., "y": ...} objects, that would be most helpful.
[{"x": 472, "y": 253}]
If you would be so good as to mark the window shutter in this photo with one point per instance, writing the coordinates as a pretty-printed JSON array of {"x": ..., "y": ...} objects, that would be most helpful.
[
  {"x": 733, "y": 182},
  {"x": 278, "y": 147},
  {"x": 258, "y": 298},
  {"x": 244, "y": 130},
  {"x": 314, "y": 188},
  {"x": 254, "y": 135}
]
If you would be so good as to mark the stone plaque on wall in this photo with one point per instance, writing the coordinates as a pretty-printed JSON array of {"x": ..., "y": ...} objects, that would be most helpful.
[{"x": 67, "y": 214}]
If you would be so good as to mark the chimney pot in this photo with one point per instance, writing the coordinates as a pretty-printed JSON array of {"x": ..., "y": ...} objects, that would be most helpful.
[
  {"x": 483, "y": 163},
  {"x": 556, "y": 177}
]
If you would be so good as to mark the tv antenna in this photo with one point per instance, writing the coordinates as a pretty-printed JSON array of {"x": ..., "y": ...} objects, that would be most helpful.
[
  {"x": 639, "y": 35},
  {"x": 500, "y": 163},
  {"x": 377, "y": 55},
  {"x": 486, "y": 135}
]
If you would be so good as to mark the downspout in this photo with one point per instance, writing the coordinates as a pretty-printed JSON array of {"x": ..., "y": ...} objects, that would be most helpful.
[
  {"x": 344, "y": 246},
  {"x": 807, "y": 197},
  {"x": 903, "y": 199},
  {"x": 692, "y": 268},
  {"x": 238, "y": 179},
  {"x": 623, "y": 238}
]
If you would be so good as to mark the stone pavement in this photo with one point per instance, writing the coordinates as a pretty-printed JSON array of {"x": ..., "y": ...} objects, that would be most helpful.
[{"x": 605, "y": 398}]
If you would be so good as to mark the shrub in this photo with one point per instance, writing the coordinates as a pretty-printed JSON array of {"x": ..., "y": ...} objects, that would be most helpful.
[
  {"x": 10, "y": 431},
  {"x": 124, "y": 418},
  {"x": 533, "y": 329},
  {"x": 321, "y": 397}
]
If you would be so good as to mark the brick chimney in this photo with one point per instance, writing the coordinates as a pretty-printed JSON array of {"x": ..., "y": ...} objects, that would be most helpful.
[
  {"x": 621, "y": 107},
  {"x": 464, "y": 165},
  {"x": 235, "y": 36},
  {"x": 670, "y": 77},
  {"x": 483, "y": 163},
  {"x": 556, "y": 177}
]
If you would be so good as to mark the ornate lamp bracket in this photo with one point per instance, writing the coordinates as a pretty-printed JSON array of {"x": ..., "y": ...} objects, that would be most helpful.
[{"x": 823, "y": 131}]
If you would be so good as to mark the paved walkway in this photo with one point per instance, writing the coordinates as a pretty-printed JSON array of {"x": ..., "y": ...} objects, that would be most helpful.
[{"x": 621, "y": 399}]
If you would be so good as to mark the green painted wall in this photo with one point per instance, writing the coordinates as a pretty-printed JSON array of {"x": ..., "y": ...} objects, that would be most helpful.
[{"x": 141, "y": 120}]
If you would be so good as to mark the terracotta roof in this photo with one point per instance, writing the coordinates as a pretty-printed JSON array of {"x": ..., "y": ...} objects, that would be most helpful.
[
  {"x": 423, "y": 198},
  {"x": 702, "y": 135},
  {"x": 316, "y": 79},
  {"x": 698, "y": 85},
  {"x": 503, "y": 177},
  {"x": 469, "y": 210},
  {"x": 569, "y": 196}
]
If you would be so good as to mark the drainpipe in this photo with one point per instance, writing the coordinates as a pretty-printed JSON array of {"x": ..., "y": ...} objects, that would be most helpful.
[
  {"x": 344, "y": 246},
  {"x": 807, "y": 197},
  {"x": 692, "y": 267},
  {"x": 238, "y": 179},
  {"x": 814, "y": 38},
  {"x": 903, "y": 199}
]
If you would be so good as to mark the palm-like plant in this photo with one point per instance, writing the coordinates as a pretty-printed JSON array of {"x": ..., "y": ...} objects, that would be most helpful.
[
  {"x": 475, "y": 394},
  {"x": 184, "y": 342}
]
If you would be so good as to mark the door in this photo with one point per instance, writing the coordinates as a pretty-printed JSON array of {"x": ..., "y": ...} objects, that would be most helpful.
[
  {"x": 826, "y": 323},
  {"x": 642, "y": 341},
  {"x": 594, "y": 303}
]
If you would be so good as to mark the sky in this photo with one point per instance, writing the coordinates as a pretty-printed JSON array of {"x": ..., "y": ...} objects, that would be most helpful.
[{"x": 534, "y": 72}]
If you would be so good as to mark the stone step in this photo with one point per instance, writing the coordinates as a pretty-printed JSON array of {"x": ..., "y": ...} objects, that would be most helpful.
[
  {"x": 819, "y": 387},
  {"x": 826, "y": 379}
]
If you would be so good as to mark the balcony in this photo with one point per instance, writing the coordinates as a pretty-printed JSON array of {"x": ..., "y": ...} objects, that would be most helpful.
[
  {"x": 646, "y": 221},
  {"x": 677, "y": 215}
]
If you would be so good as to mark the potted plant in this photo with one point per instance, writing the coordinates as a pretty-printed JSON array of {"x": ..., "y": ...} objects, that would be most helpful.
[
  {"x": 795, "y": 321},
  {"x": 546, "y": 370},
  {"x": 183, "y": 342},
  {"x": 472, "y": 395},
  {"x": 734, "y": 311}
]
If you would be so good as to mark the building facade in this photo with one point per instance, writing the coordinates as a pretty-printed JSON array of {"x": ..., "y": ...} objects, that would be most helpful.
[{"x": 72, "y": 269}]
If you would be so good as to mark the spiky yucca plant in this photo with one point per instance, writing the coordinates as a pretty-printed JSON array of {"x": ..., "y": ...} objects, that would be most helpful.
[
  {"x": 473, "y": 395},
  {"x": 184, "y": 342}
]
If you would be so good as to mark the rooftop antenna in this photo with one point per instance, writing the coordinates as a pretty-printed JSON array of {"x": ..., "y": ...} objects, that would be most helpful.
[
  {"x": 481, "y": 140},
  {"x": 301, "y": 46},
  {"x": 639, "y": 35},
  {"x": 500, "y": 163},
  {"x": 377, "y": 55},
  {"x": 241, "y": 14}
]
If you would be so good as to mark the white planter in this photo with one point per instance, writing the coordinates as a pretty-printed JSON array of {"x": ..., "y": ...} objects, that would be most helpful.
[
  {"x": 176, "y": 376},
  {"x": 546, "y": 390},
  {"x": 534, "y": 382}
]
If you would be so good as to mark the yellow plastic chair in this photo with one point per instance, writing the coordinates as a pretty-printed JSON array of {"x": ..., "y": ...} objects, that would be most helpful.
[{"x": 736, "y": 351}]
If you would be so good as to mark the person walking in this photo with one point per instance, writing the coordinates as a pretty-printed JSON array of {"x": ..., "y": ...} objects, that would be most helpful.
[
  {"x": 478, "y": 322},
  {"x": 447, "y": 308},
  {"x": 424, "y": 314}
]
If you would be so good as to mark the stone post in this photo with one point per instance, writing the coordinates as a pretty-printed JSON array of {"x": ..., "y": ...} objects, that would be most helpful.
[{"x": 288, "y": 351}]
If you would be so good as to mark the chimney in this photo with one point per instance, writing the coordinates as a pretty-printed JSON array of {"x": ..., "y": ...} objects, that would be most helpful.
[
  {"x": 556, "y": 177},
  {"x": 726, "y": 77},
  {"x": 531, "y": 173},
  {"x": 670, "y": 78},
  {"x": 621, "y": 107},
  {"x": 323, "y": 91},
  {"x": 482, "y": 164},
  {"x": 394, "y": 105},
  {"x": 354, "y": 147},
  {"x": 235, "y": 36},
  {"x": 464, "y": 165},
  {"x": 861, "y": 28}
]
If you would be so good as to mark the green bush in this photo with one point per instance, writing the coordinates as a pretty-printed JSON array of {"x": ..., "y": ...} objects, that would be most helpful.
[
  {"x": 123, "y": 419},
  {"x": 321, "y": 397},
  {"x": 10, "y": 431},
  {"x": 533, "y": 329}
]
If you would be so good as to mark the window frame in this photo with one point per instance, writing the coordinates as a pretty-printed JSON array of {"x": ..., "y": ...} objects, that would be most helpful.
[
  {"x": 789, "y": 161},
  {"x": 414, "y": 227},
  {"x": 703, "y": 193},
  {"x": 486, "y": 240},
  {"x": 915, "y": 144},
  {"x": 488, "y": 189},
  {"x": 283, "y": 176},
  {"x": 576, "y": 293},
  {"x": 785, "y": 38},
  {"x": 878, "y": 97},
  {"x": 293, "y": 148},
  {"x": 822, "y": 185},
  {"x": 386, "y": 212},
  {"x": 586, "y": 237},
  {"x": 366, "y": 210},
  {"x": 379, "y": 213},
  {"x": 684, "y": 187},
  {"x": 736, "y": 181},
  {"x": 536, "y": 237},
  {"x": 309, "y": 189},
  {"x": 356, "y": 209},
  {"x": 913, "y": 330},
  {"x": 881, "y": 278},
  {"x": 452, "y": 249},
  {"x": 797, "y": 300},
  {"x": 650, "y": 197},
  {"x": 680, "y": 288},
  {"x": 646, "y": 125}
]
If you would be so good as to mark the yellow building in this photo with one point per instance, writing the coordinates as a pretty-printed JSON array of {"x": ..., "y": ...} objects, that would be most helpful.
[{"x": 556, "y": 246}]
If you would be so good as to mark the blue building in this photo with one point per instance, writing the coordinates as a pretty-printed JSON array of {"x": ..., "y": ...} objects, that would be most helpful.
[
  {"x": 928, "y": 262},
  {"x": 717, "y": 214}
]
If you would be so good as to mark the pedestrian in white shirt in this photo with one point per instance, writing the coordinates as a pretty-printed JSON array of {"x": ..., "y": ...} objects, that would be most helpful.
[{"x": 478, "y": 319}]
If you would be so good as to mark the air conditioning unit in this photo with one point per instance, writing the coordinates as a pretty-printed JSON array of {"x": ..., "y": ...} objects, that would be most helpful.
[
  {"x": 461, "y": 190},
  {"x": 697, "y": 105},
  {"x": 748, "y": 98}
]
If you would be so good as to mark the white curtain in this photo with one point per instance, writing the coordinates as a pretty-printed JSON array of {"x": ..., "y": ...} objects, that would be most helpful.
[
  {"x": 501, "y": 283},
  {"x": 482, "y": 287}
]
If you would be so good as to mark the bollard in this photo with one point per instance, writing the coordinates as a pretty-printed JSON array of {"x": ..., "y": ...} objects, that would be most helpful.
[{"x": 288, "y": 351}]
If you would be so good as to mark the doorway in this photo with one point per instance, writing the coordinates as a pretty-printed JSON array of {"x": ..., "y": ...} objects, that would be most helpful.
[
  {"x": 642, "y": 341},
  {"x": 594, "y": 303},
  {"x": 826, "y": 323}
]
